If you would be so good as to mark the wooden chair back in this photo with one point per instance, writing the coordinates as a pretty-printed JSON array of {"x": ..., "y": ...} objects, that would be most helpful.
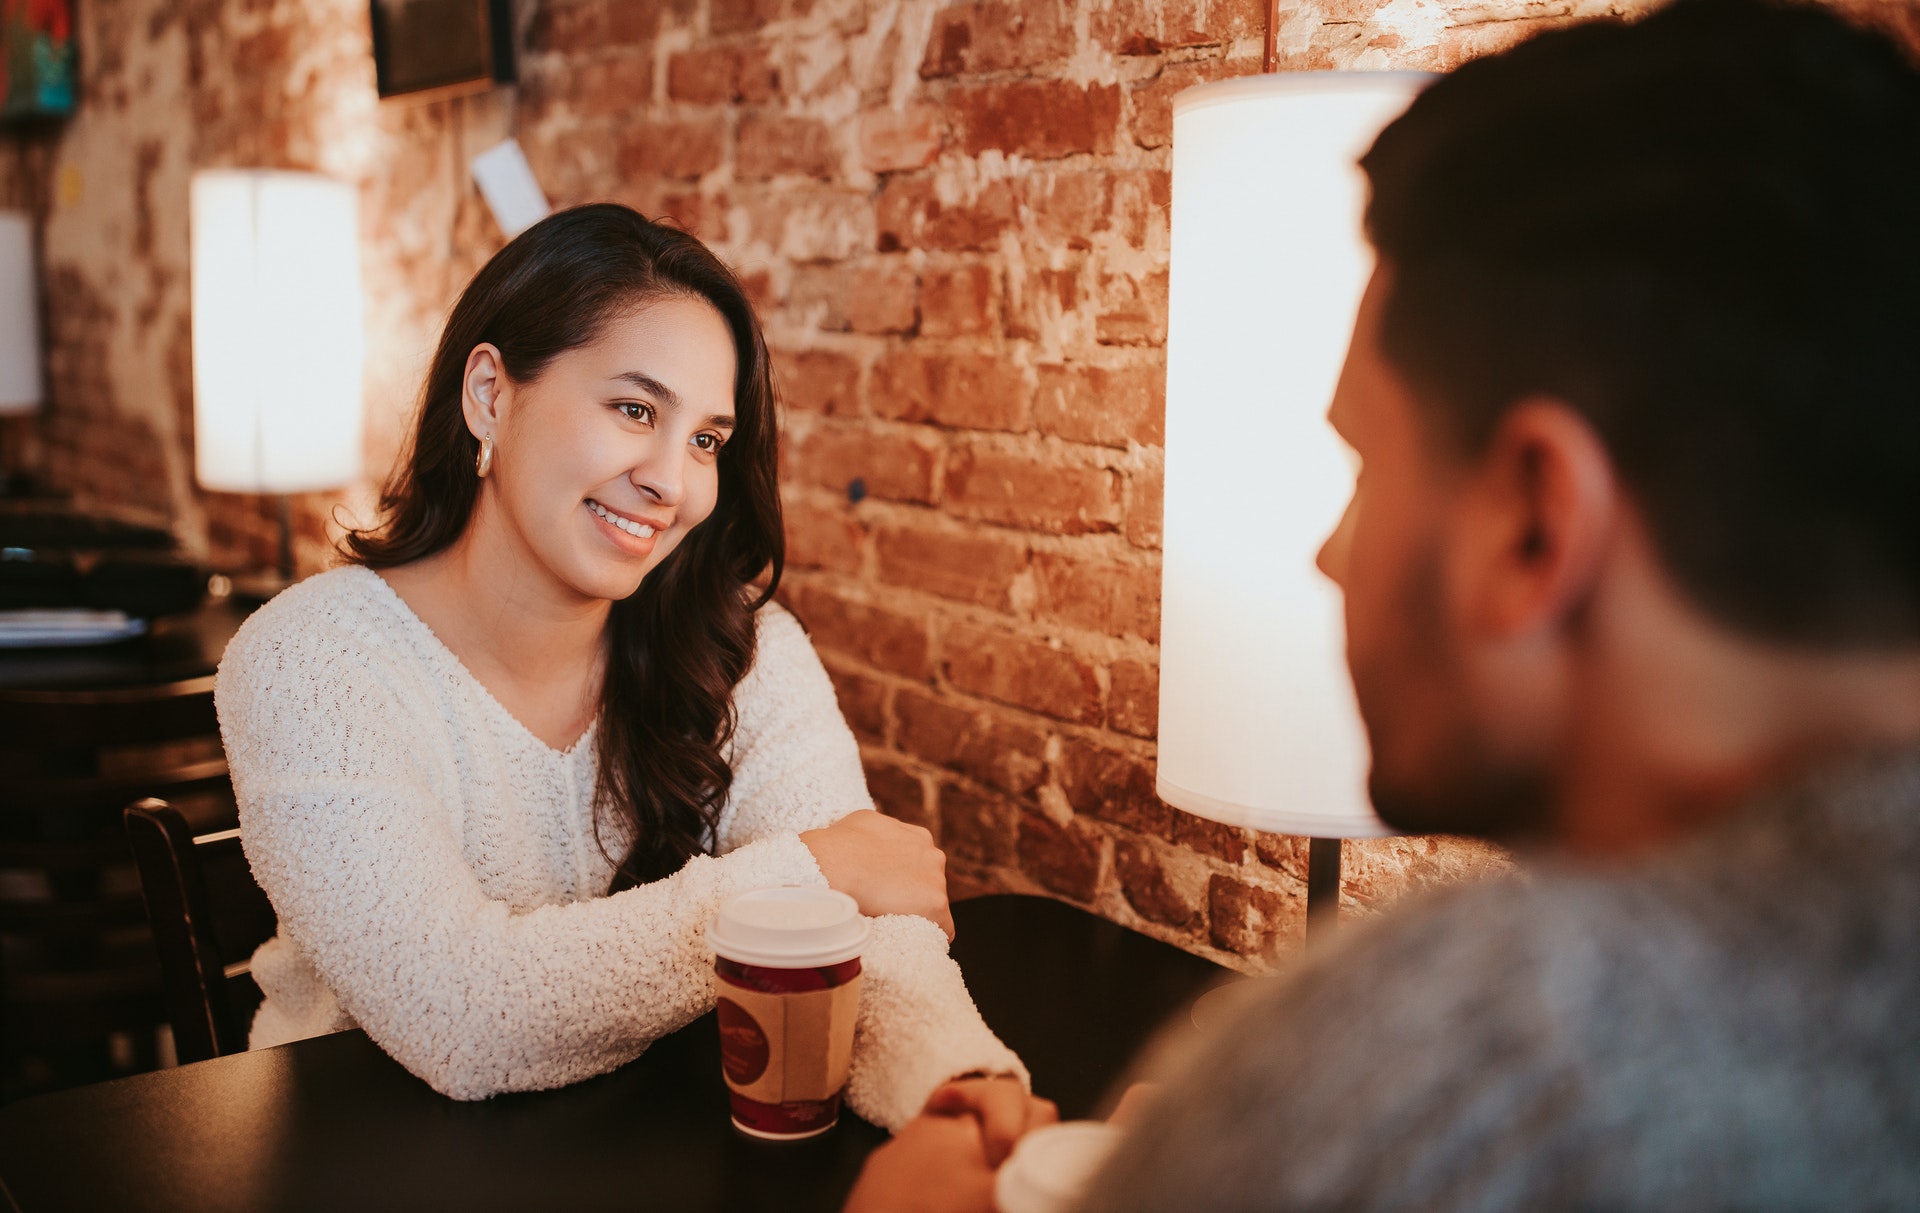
[{"x": 208, "y": 916}]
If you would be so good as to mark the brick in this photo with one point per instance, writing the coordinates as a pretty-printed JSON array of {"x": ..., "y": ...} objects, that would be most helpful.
[
  {"x": 1021, "y": 671},
  {"x": 910, "y": 215},
  {"x": 629, "y": 23},
  {"x": 1006, "y": 754},
  {"x": 1040, "y": 491},
  {"x": 722, "y": 76},
  {"x": 1146, "y": 494},
  {"x": 817, "y": 297},
  {"x": 883, "y": 296},
  {"x": 1148, "y": 27},
  {"x": 569, "y": 27},
  {"x": 996, "y": 37},
  {"x": 1144, "y": 883},
  {"x": 963, "y": 391},
  {"x": 1065, "y": 858},
  {"x": 739, "y": 16},
  {"x": 1100, "y": 596},
  {"x": 823, "y": 536},
  {"x": 1133, "y": 698},
  {"x": 1209, "y": 837},
  {"x": 1141, "y": 204},
  {"x": 1134, "y": 310},
  {"x": 782, "y": 146},
  {"x": 876, "y": 635},
  {"x": 1042, "y": 299},
  {"x": 1067, "y": 207},
  {"x": 863, "y": 701},
  {"x": 895, "y": 465},
  {"x": 977, "y": 826},
  {"x": 1151, "y": 122},
  {"x": 808, "y": 221},
  {"x": 1113, "y": 786},
  {"x": 1245, "y": 918},
  {"x": 1283, "y": 852},
  {"x": 965, "y": 565},
  {"x": 959, "y": 301},
  {"x": 1376, "y": 872},
  {"x": 1107, "y": 406},
  {"x": 899, "y": 793},
  {"x": 597, "y": 88},
  {"x": 1039, "y": 119},
  {"x": 683, "y": 148},
  {"x": 892, "y": 140},
  {"x": 818, "y": 381}
]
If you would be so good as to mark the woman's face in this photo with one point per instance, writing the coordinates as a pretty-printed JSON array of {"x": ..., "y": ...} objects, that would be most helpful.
[{"x": 604, "y": 462}]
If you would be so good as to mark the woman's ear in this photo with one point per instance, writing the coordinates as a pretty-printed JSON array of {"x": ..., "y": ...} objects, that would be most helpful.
[{"x": 484, "y": 390}]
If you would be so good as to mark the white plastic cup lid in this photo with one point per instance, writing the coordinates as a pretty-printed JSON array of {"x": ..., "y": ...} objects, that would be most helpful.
[
  {"x": 788, "y": 928},
  {"x": 1050, "y": 1167}
]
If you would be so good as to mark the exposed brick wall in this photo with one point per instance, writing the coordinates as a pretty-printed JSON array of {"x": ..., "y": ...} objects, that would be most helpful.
[{"x": 954, "y": 217}]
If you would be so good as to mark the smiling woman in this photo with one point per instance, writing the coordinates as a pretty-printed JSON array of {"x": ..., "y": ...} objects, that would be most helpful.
[{"x": 497, "y": 776}]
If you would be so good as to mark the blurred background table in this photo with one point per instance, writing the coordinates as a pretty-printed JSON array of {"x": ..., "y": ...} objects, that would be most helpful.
[
  {"x": 333, "y": 1123},
  {"x": 175, "y": 649},
  {"x": 84, "y": 732}
]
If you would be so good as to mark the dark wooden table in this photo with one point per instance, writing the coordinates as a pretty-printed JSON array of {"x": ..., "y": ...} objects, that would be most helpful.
[
  {"x": 175, "y": 649},
  {"x": 334, "y": 1124}
]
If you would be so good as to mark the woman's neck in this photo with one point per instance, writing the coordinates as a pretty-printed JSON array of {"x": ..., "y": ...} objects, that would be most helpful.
[{"x": 538, "y": 646}]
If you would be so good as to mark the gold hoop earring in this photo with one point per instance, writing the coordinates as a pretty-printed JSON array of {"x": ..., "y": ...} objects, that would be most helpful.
[{"x": 484, "y": 462}]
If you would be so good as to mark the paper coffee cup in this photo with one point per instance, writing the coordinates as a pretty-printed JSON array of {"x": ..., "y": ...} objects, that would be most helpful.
[
  {"x": 788, "y": 967},
  {"x": 1051, "y": 1167}
]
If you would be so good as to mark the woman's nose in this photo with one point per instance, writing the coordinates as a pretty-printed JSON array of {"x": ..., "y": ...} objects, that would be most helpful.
[{"x": 661, "y": 475}]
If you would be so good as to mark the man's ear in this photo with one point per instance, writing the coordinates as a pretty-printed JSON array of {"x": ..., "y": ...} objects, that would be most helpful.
[
  {"x": 1540, "y": 509},
  {"x": 484, "y": 389}
]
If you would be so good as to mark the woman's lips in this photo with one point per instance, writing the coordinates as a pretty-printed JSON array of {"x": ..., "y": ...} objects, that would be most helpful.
[
  {"x": 642, "y": 528},
  {"x": 634, "y": 534}
]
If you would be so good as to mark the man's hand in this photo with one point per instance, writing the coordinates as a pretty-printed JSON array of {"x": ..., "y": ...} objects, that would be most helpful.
[
  {"x": 936, "y": 1164},
  {"x": 1004, "y": 1110},
  {"x": 888, "y": 866}
]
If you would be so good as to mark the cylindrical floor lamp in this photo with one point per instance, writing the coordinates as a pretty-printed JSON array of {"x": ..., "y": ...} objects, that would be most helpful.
[
  {"x": 277, "y": 341},
  {"x": 1258, "y": 725}
]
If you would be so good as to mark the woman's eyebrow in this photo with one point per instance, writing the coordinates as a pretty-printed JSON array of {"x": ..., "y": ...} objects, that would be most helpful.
[
  {"x": 647, "y": 383},
  {"x": 668, "y": 397}
]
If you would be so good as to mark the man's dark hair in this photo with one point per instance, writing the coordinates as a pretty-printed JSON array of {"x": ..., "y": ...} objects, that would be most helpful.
[{"x": 1702, "y": 230}]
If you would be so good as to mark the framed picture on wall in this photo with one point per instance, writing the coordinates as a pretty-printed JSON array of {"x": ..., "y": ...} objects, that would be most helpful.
[
  {"x": 36, "y": 66},
  {"x": 440, "y": 47}
]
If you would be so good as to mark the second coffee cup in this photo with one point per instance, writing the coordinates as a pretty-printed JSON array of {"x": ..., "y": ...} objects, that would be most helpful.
[{"x": 788, "y": 964}]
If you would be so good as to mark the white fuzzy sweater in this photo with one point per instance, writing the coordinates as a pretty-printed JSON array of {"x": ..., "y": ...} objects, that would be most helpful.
[{"x": 438, "y": 883}]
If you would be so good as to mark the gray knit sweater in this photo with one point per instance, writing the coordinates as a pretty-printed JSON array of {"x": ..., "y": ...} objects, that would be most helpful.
[{"x": 1733, "y": 1025}]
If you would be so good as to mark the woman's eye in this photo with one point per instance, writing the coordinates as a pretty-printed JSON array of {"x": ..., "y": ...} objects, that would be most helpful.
[
  {"x": 635, "y": 411},
  {"x": 708, "y": 442}
]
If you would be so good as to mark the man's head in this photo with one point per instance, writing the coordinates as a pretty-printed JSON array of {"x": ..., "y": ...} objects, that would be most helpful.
[{"x": 1654, "y": 283}]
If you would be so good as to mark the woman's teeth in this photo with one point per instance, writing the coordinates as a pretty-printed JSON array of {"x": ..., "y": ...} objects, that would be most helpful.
[{"x": 640, "y": 529}]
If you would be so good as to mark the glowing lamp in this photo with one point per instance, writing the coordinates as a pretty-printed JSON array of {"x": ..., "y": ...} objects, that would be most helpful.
[
  {"x": 20, "y": 390},
  {"x": 1258, "y": 725},
  {"x": 277, "y": 342}
]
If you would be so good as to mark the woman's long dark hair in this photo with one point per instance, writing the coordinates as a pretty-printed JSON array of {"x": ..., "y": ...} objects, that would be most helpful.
[{"x": 681, "y": 643}]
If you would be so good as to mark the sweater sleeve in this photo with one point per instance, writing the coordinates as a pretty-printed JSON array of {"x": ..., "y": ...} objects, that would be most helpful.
[
  {"x": 345, "y": 820},
  {"x": 797, "y": 767}
]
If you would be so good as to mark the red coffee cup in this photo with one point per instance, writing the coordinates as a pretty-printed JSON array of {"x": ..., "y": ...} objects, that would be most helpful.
[{"x": 788, "y": 963}]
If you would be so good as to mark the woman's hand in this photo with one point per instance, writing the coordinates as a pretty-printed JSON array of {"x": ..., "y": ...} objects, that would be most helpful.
[
  {"x": 888, "y": 866},
  {"x": 1004, "y": 1110}
]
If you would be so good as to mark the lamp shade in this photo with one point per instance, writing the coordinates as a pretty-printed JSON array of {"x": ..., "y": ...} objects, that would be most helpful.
[
  {"x": 1258, "y": 725},
  {"x": 277, "y": 343},
  {"x": 19, "y": 317}
]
